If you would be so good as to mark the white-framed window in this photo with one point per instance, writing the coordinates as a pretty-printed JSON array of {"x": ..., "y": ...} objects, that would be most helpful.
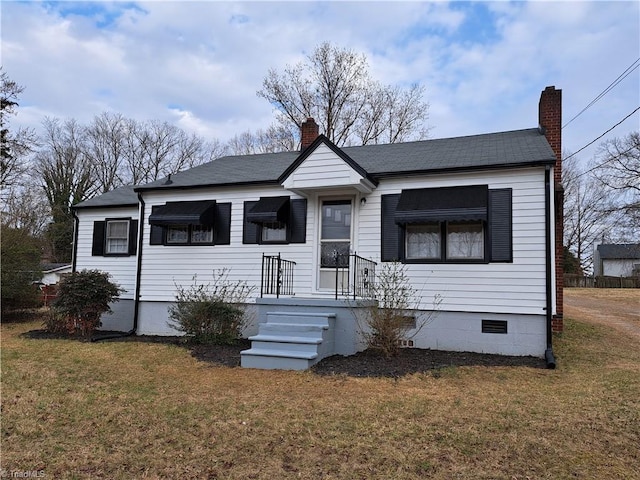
[
  {"x": 475, "y": 225},
  {"x": 201, "y": 234},
  {"x": 274, "y": 232},
  {"x": 445, "y": 241},
  {"x": 189, "y": 235},
  {"x": 465, "y": 241},
  {"x": 117, "y": 237},
  {"x": 423, "y": 241},
  {"x": 178, "y": 234}
]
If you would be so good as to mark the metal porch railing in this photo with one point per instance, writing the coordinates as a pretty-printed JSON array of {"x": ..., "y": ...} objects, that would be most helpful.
[
  {"x": 355, "y": 277},
  {"x": 277, "y": 276}
]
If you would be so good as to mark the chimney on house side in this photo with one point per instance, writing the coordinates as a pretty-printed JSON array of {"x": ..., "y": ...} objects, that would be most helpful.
[
  {"x": 309, "y": 131},
  {"x": 550, "y": 121}
]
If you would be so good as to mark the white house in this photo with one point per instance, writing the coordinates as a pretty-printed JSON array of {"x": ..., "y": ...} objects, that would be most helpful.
[
  {"x": 617, "y": 260},
  {"x": 476, "y": 219},
  {"x": 52, "y": 273}
]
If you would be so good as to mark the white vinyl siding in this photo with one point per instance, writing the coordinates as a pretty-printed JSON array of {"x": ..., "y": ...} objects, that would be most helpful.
[
  {"x": 121, "y": 268},
  {"x": 517, "y": 287},
  {"x": 619, "y": 267},
  {"x": 164, "y": 266},
  {"x": 323, "y": 169}
]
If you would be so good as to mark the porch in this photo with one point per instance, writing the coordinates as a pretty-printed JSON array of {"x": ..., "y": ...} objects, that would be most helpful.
[{"x": 294, "y": 333}]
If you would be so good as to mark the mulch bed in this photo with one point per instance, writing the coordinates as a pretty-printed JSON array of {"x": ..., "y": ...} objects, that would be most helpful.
[{"x": 362, "y": 364}]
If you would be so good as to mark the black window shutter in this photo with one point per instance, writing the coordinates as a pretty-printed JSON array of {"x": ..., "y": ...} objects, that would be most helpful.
[
  {"x": 390, "y": 231},
  {"x": 500, "y": 225},
  {"x": 97, "y": 248},
  {"x": 133, "y": 237},
  {"x": 222, "y": 227},
  {"x": 157, "y": 231},
  {"x": 249, "y": 229},
  {"x": 298, "y": 221}
]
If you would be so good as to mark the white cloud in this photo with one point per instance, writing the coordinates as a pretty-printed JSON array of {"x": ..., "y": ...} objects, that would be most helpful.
[{"x": 199, "y": 64}]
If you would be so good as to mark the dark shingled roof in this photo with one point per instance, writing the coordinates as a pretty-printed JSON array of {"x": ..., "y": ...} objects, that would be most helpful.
[
  {"x": 619, "y": 251},
  {"x": 476, "y": 152},
  {"x": 120, "y": 197}
]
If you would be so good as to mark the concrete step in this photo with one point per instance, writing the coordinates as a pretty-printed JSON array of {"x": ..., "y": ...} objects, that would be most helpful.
[
  {"x": 292, "y": 329},
  {"x": 292, "y": 347},
  {"x": 290, "y": 341},
  {"x": 285, "y": 339},
  {"x": 304, "y": 318},
  {"x": 271, "y": 359}
]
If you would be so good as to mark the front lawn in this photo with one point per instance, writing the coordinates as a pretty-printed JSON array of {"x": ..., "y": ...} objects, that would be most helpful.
[{"x": 150, "y": 410}]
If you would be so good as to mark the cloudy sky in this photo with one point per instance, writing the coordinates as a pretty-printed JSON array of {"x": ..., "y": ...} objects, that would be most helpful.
[{"x": 199, "y": 64}]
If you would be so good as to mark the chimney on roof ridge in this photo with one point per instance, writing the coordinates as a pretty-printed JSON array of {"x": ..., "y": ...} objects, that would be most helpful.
[{"x": 309, "y": 131}]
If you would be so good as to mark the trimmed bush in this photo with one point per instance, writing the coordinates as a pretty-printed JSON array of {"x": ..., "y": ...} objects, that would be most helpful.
[
  {"x": 82, "y": 299},
  {"x": 211, "y": 313}
]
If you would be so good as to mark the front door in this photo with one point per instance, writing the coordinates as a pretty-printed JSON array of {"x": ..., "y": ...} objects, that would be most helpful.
[{"x": 336, "y": 221}]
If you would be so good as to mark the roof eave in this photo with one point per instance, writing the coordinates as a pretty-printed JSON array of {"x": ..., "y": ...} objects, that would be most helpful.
[
  {"x": 475, "y": 168},
  {"x": 205, "y": 185},
  {"x": 113, "y": 205}
]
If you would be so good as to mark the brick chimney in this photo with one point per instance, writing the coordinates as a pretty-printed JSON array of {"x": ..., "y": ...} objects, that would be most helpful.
[
  {"x": 550, "y": 120},
  {"x": 309, "y": 131}
]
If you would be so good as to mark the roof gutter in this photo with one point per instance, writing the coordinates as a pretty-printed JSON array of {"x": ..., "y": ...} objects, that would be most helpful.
[{"x": 548, "y": 353}]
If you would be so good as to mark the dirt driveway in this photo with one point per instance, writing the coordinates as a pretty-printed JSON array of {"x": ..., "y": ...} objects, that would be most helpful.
[{"x": 618, "y": 308}]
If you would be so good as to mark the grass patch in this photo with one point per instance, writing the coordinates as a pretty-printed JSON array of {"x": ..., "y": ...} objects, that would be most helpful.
[{"x": 147, "y": 410}]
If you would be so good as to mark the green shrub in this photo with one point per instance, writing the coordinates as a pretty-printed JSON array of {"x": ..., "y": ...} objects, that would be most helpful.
[
  {"x": 211, "y": 313},
  {"x": 82, "y": 298},
  {"x": 54, "y": 322}
]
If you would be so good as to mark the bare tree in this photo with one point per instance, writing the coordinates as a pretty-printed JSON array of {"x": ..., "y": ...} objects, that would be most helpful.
[
  {"x": 66, "y": 172},
  {"x": 334, "y": 86},
  {"x": 125, "y": 151},
  {"x": 105, "y": 146},
  {"x": 589, "y": 211},
  {"x": 162, "y": 148},
  {"x": 274, "y": 139},
  {"x": 26, "y": 209},
  {"x": 618, "y": 168},
  {"x": 67, "y": 177},
  {"x": 17, "y": 145}
]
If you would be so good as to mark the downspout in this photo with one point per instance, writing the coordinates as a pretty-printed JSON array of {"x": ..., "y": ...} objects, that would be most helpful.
[
  {"x": 548, "y": 353},
  {"x": 76, "y": 225},
  {"x": 136, "y": 300}
]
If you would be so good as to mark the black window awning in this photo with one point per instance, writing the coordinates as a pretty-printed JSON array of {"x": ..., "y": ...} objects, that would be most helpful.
[
  {"x": 424, "y": 205},
  {"x": 269, "y": 210},
  {"x": 184, "y": 213}
]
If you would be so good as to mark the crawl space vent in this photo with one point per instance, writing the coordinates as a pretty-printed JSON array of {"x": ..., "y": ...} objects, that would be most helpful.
[{"x": 494, "y": 326}]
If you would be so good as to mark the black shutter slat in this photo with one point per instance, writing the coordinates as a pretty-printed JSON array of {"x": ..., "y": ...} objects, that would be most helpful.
[
  {"x": 133, "y": 237},
  {"x": 391, "y": 233},
  {"x": 222, "y": 228},
  {"x": 298, "y": 221},
  {"x": 500, "y": 225},
  {"x": 249, "y": 229},
  {"x": 97, "y": 247},
  {"x": 157, "y": 231}
]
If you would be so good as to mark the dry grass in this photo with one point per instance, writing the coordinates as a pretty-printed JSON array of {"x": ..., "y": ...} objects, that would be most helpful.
[{"x": 137, "y": 410}]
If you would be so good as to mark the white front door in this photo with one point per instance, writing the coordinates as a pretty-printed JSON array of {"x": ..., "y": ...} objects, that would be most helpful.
[{"x": 336, "y": 228}]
